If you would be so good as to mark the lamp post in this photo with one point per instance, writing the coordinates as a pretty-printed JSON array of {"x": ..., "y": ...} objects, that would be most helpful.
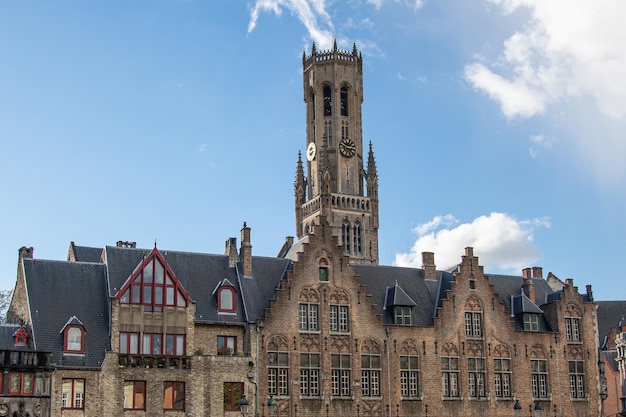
[
  {"x": 537, "y": 409},
  {"x": 517, "y": 409},
  {"x": 271, "y": 406},
  {"x": 244, "y": 406}
]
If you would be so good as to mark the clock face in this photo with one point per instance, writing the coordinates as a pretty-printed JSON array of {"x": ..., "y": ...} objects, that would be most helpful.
[
  {"x": 347, "y": 147},
  {"x": 310, "y": 152}
]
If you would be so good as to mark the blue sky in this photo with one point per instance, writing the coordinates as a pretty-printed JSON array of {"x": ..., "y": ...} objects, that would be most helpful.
[{"x": 497, "y": 124}]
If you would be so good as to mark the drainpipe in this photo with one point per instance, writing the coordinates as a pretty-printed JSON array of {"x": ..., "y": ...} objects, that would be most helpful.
[{"x": 388, "y": 330}]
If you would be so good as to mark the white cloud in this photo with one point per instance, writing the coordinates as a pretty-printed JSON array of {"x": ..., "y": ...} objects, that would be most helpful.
[
  {"x": 202, "y": 147},
  {"x": 539, "y": 142},
  {"x": 502, "y": 242},
  {"x": 312, "y": 14},
  {"x": 568, "y": 48}
]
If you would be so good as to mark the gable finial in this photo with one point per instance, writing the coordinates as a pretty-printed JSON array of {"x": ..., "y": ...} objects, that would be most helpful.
[{"x": 155, "y": 243}]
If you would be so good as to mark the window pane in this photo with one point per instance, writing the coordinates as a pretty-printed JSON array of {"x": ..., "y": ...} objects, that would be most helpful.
[
  {"x": 159, "y": 272},
  {"x": 226, "y": 299},
  {"x": 74, "y": 338},
  {"x": 169, "y": 296}
]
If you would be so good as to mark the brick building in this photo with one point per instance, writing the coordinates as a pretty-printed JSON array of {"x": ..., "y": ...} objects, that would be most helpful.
[{"x": 319, "y": 330}]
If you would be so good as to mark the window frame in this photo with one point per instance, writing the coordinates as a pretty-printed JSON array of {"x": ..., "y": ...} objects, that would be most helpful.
[
  {"x": 370, "y": 375},
  {"x": 409, "y": 376},
  {"x": 451, "y": 384},
  {"x": 232, "y": 400},
  {"x": 221, "y": 292},
  {"x": 474, "y": 324},
  {"x": 310, "y": 371},
  {"x": 136, "y": 390},
  {"x": 74, "y": 394},
  {"x": 221, "y": 347},
  {"x": 531, "y": 322},
  {"x": 577, "y": 380},
  {"x": 539, "y": 378},
  {"x": 503, "y": 377},
  {"x": 340, "y": 371},
  {"x": 339, "y": 318},
  {"x": 402, "y": 315},
  {"x": 308, "y": 317},
  {"x": 278, "y": 373},
  {"x": 572, "y": 329},
  {"x": 67, "y": 340},
  {"x": 170, "y": 401},
  {"x": 22, "y": 378}
]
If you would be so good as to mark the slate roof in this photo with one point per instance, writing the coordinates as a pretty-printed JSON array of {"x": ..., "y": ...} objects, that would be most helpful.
[
  {"x": 87, "y": 254},
  {"x": 199, "y": 274},
  {"x": 59, "y": 290},
  {"x": 7, "y": 339},
  {"x": 610, "y": 314},
  {"x": 422, "y": 291}
]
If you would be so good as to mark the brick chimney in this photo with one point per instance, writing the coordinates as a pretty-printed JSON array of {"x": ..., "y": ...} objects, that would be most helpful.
[
  {"x": 231, "y": 251},
  {"x": 25, "y": 252},
  {"x": 537, "y": 272},
  {"x": 428, "y": 265},
  {"x": 589, "y": 292},
  {"x": 528, "y": 286},
  {"x": 245, "y": 253}
]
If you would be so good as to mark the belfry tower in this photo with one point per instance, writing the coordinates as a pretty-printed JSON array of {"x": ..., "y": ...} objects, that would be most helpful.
[{"x": 337, "y": 191}]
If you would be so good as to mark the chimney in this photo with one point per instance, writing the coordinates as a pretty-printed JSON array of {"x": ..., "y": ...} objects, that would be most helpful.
[
  {"x": 589, "y": 292},
  {"x": 126, "y": 244},
  {"x": 245, "y": 254},
  {"x": 537, "y": 272},
  {"x": 528, "y": 286},
  {"x": 428, "y": 265},
  {"x": 25, "y": 252},
  {"x": 231, "y": 251}
]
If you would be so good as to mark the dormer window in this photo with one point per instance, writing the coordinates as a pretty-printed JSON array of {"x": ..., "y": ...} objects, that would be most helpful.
[
  {"x": 226, "y": 300},
  {"x": 226, "y": 297},
  {"x": 73, "y": 336},
  {"x": 20, "y": 337},
  {"x": 531, "y": 322}
]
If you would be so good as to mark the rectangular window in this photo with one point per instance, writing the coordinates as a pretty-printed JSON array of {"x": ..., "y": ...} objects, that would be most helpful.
[
  {"x": 531, "y": 322},
  {"x": 129, "y": 343},
  {"x": 340, "y": 375},
  {"x": 370, "y": 375},
  {"x": 450, "y": 377},
  {"x": 73, "y": 393},
  {"x": 402, "y": 316},
  {"x": 310, "y": 374},
  {"x": 409, "y": 377},
  {"x": 339, "y": 318},
  {"x": 134, "y": 395},
  {"x": 151, "y": 344},
  {"x": 473, "y": 322},
  {"x": 233, "y": 391},
  {"x": 226, "y": 345},
  {"x": 539, "y": 377},
  {"x": 476, "y": 375},
  {"x": 278, "y": 373},
  {"x": 502, "y": 373},
  {"x": 21, "y": 383},
  {"x": 572, "y": 329},
  {"x": 577, "y": 379},
  {"x": 173, "y": 395},
  {"x": 175, "y": 344},
  {"x": 308, "y": 317},
  {"x": 323, "y": 273}
]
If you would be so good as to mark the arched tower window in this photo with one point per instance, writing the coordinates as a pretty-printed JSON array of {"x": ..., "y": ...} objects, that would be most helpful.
[
  {"x": 357, "y": 233},
  {"x": 345, "y": 236},
  {"x": 328, "y": 102},
  {"x": 344, "y": 101}
]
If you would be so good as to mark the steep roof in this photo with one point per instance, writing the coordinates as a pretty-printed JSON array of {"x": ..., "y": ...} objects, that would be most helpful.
[
  {"x": 59, "y": 290},
  {"x": 87, "y": 254},
  {"x": 610, "y": 314}
]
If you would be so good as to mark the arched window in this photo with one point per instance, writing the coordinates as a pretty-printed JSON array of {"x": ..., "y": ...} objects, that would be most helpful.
[
  {"x": 226, "y": 300},
  {"x": 328, "y": 102},
  {"x": 74, "y": 339},
  {"x": 357, "y": 236},
  {"x": 344, "y": 101},
  {"x": 345, "y": 236}
]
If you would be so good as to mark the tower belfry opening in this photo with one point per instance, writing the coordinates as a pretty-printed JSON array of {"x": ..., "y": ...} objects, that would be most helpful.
[{"x": 337, "y": 189}]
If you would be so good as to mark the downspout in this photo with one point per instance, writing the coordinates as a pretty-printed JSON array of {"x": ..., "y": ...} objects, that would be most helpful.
[{"x": 388, "y": 330}]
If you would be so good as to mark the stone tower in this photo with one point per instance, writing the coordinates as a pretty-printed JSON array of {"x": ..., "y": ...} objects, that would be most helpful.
[{"x": 337, "y": 191}]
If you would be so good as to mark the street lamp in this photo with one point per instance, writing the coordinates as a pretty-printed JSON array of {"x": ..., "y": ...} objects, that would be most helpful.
[
  {"x": 271, "y": 406},
  {"x": 537, "y": 409},
  {"x": 244, "y": 405},
  {"x": 517, "y": 409}
]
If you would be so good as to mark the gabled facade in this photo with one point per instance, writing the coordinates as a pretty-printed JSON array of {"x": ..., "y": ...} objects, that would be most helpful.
[{"x": 321, "y": 329}]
